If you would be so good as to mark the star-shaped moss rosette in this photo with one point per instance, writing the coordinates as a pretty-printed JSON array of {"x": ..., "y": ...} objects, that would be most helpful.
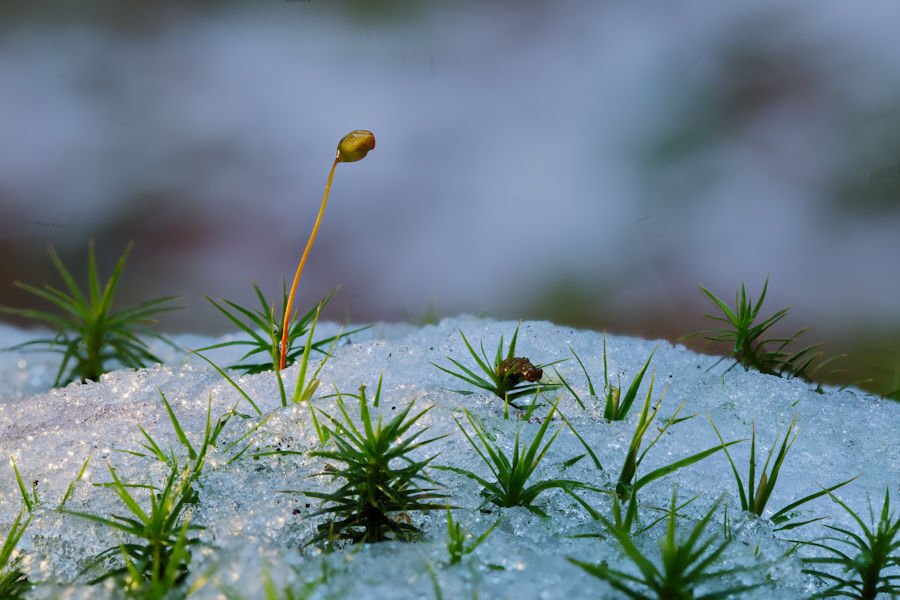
[
  {"x": 508, "y": 377},
  {"x": 89, "y": 335}
]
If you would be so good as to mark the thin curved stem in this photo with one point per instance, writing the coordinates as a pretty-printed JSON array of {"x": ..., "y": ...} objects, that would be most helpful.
[{"x": 287, "y": 309}]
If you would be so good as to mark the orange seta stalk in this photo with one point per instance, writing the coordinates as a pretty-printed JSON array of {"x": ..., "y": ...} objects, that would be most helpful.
[{"x": 352, "y": 147}]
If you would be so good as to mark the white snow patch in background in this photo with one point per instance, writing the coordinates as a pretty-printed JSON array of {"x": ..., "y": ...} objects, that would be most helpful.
[{"x": 251, "y": 528}]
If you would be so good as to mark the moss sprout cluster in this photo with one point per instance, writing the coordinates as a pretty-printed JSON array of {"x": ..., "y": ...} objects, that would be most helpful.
[{"x": 378, "y": 472}]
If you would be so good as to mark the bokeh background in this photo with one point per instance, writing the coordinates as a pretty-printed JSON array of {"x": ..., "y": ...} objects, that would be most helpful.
[{"x": 590, "y": 163}]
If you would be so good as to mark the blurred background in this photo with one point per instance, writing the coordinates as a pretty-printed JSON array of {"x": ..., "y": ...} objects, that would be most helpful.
[{"x": 590, "y": 163}]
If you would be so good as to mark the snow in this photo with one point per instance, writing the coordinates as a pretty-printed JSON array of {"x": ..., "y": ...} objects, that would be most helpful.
[{"x": 254, "y": 530}]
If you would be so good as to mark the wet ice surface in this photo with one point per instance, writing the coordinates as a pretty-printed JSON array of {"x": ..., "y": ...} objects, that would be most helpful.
[{"x": 253, "y": 528}]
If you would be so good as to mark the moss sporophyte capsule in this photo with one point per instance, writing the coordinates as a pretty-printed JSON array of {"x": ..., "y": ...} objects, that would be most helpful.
[{"x": 353, "y": 147}]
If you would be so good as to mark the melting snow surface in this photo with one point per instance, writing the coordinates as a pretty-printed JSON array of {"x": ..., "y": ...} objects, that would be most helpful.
[{"x": 252, "y": 529}]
